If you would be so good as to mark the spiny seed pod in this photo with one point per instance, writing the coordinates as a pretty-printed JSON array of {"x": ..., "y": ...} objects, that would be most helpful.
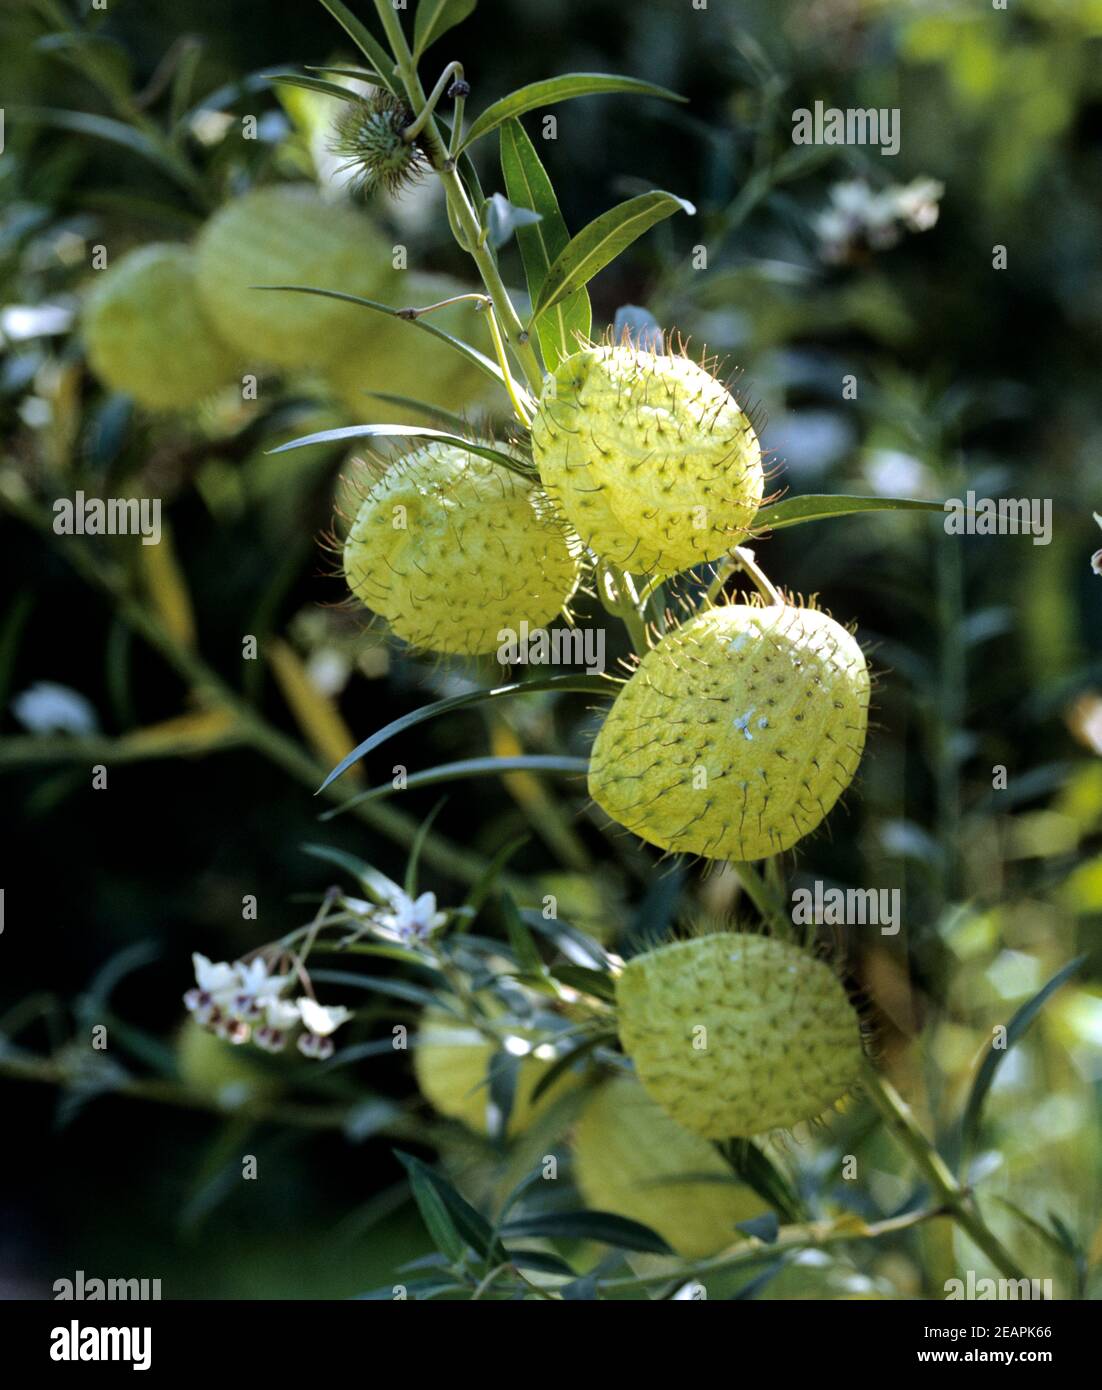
[
  {"x": 736, "y": 734},
  {"x": 733, "y": 1034},
  {"x": 286, "y": 235},
  {"x": 146, "y": 332},
  {"x": 628, "y": 1157},
  {"x": 398, "y": 359},
  {"x": 451, "y": 1063},
  {"x": 368, "y": 135},
  {"x": 648, "y": 456},
  {"x": 450, "y": 549}
]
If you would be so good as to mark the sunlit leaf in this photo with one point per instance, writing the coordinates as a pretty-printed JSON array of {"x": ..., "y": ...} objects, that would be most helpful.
[
  {"x": 434, "y": 18},
  {"x": 602, "y": 241},
  {"x": 556, "y": 89},
  {"x": 365, "y": 41},
  {"x": 528, "y": 186}
]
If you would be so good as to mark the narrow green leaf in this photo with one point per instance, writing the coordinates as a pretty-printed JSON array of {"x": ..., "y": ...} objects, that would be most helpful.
[
  {"x": 591, "y": 685},
  {"x": 556, "y": 89},
  {"x": 601, "y": 1226},
  {"x": 1015, "y": 1030},
  {"x": 754, "y": 1166},
  {"x": 374, "y": 883},
  {"x": 436, "y": 1217},
  {"x": 365, "y": 41},
  {"x": 586, "y": 979},
  {"x": 319, "y": 84},
  {"x": 434, "y": 18},
  {"x": 358, "y": 74},
  {"x": 417, "y": 846},
  {"x": 117, "y": 132},
  {"x": 567, "y": 1061},
  {"x": 502, "y": 1072},
  {"x": 471, "y": 1224},
  {"x": 793, "y": 511},
  {"x": 455, "y": 423},
  {"x": 602, "y": 241},
  {"x": 520, "y": 938},
  {"x": 528, "y": 186},
  {"x": 481, "y": 890},
  {"x": 469, "y": 767},
  {"x": 471, "y": 354},
  {"x": 408, "y": 432}
]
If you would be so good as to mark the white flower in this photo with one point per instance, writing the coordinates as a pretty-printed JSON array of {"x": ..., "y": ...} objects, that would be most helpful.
[
  {"x": 411, "y": 918},
  {"x": 255, "y": 988},
  {"x": 321, "y": 1020},
  {"x": 216, "y": 984},
  {"x": 280, "y": 1016}
]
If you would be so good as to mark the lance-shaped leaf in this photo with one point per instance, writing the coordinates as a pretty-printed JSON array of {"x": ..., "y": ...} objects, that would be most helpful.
[
  {"x": 1015, "y": 1029},
  {"x": 555, "y": 89},
  {"x": 793, "y": 511},
  {"x": 366, "y": 42},
  {"x": 436, "y": 17},
  {"x": 591, "y": 685},
  {"x": 318, "y": 84},
  {"x": 602, "y": 241},
  {"x": 470, "y": 767},
  {"x": 528, "y": 186},
  {"x": 600, "y": 1226},
  {"x": 409, "y": 432},
  {"x": 472, "y": 355}
]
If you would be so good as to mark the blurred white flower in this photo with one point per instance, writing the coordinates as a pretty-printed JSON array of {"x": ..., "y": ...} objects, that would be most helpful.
[
  {"x": 216, "y": 984},
  {"x": 858, "y": 218},
  {"x": 320, "y": 1022},
  {"x": 411, "y": 918},
  {"x": 280, "y": 1017},
  {"x": 255, "y": 988},
  {"x": 49, "y": 708}
]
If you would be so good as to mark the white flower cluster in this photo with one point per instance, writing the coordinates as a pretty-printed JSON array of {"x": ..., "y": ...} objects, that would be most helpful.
[
  {"x": 858, "y": 217},
  {"x": 242, "y": 1002},
  {"x": 407, "y": 919}
]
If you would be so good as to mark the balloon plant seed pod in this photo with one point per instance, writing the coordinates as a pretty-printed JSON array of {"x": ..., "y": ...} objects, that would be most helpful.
[
  {"x": 451, "y": 548},
  {"x": 632, "y": 1159},
  {"x": 146, "y": 332},
  {"x": 650, "y": 458},
  {"x": 737, "y": 733},
  {"x": 735, "y": 1035},
  {"x": 287, "y": 235}
]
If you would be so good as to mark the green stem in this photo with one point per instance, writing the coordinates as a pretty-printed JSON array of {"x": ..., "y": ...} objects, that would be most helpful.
[
  {"x": 814, "y": 1235},
  {"x": 618, "y": 596},
  {"x": 762, "y": 895},
  {"x": 955, "y": 1199},
  {"x": 459, "y": 204}
]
